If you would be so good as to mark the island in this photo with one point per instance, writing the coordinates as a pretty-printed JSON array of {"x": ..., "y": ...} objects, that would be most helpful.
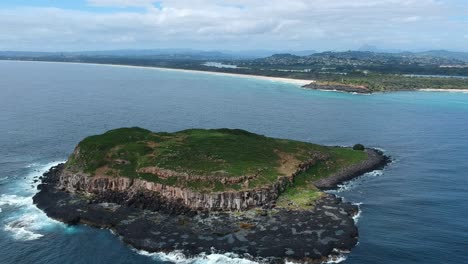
[{"x": 211, "y": 190}]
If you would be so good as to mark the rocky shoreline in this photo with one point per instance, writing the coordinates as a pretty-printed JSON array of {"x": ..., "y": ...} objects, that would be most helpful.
[
  {"x": 151, "y": 222},
  {"x": 376, "y": 160},
  {"x": 270, "y": 235},
  {"x": 338, "y": 87}
]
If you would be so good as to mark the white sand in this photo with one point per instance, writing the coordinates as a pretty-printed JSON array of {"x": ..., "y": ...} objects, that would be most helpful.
[
  {"x": 299, "y": 82},
  {"x": 445, "y": 90}
]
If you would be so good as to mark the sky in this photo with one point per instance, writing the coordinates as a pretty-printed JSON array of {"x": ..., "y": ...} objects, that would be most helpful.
[{"x": 78, "y": 25}]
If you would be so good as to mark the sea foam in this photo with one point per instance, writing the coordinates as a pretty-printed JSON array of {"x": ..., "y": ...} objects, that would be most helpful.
[
  {"x": 213, "y": 258},
  {"x": 350, "y": 185},
  {"x": 25, "y": 220},
  {"x": 357, "y": 216}
]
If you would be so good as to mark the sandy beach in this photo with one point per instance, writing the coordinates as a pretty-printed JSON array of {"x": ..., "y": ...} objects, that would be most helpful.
[
  {"x": 444, "y": 90},
  {"x": 299, "y": 82}
]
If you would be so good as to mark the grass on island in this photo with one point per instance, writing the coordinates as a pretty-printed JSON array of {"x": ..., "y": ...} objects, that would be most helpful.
[
  {"x": 302, "y": 193},
  {"x": 213, "y": 155}
]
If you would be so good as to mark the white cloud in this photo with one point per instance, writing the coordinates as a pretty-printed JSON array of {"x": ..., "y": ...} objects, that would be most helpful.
[
  {"x": 121, "y": 3},
  {"x": 239, "y": 24}
]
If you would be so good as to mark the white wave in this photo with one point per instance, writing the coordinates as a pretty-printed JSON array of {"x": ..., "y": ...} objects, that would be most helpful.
[
  {"x": 21, "y": 233},
  {"x": 14, "y": 200},
  {"x": 213, "y": 258},
  {"x": 336, "y": 259},
  {"x": 26, "y": 220},
  {"x": 37, "y": 170},
  {"x": 349, "y": 185},
  {"x": 380, "y": 149},
  {"x": 358, "y": 215},
  {"x": 23, "y": 229}
]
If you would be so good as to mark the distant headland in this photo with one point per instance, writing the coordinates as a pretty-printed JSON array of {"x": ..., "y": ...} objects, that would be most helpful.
[
  {"x": 223, "y": 190},
  {"x": 349, "y": 71}
]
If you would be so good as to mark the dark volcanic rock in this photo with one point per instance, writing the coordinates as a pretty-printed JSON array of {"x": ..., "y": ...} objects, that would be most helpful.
[
  {"x": 376, "y": 160},
  {"x": 271, "y": 235}
]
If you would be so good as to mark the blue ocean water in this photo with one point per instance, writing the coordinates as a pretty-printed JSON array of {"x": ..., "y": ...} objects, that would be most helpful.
[{"x": 414, "y": 211}]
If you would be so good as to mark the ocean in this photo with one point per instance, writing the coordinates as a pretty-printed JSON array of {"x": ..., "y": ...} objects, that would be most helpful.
[{"x": 413, "y": 211}]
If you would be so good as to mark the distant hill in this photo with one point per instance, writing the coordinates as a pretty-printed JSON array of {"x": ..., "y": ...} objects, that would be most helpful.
[
  {"x": 150, "y": 53},
  {"x": 445, "y": 54},
  {"x": 357, "y": 58},
  {"x": 366, "y": 53},
  {"x": 163, "y": 54}
]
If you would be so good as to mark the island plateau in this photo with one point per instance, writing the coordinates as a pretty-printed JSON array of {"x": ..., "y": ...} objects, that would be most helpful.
[{"x": 219, "y": 190}]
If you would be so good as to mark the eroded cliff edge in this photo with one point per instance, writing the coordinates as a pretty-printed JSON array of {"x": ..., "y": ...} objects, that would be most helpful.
[
  {"x": 159, "y": 217},
  {"x": 123, "y": 189},
  {"x": 150, "y": 223}
]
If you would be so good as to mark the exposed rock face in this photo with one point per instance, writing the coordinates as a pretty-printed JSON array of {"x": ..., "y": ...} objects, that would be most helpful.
[
  {"x": 219, "y": 175},
  {"x": 160, "y": 218},
  {"x": 241, "y": 200},
  {"x": 268, "y": 236},
  {"x": 126, "y": 190},
  {"x": 122, "y": 187}
]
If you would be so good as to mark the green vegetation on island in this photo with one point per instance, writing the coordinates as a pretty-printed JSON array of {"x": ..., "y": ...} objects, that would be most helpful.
[{"x": 211, "y": 160}]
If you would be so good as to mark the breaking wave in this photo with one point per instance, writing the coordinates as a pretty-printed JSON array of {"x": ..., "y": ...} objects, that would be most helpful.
[
  {"x": 336, "y": 259},
  {"x": 358, "y": 215},
  {"x": 26, "y": 221},
  {"x": 350, "y": 185},
  {"x": 213, "y": 258}
]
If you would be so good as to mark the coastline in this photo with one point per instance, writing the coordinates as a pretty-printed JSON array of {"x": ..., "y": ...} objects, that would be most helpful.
[
  {"x": 299, "y": 82},
  {"x": 443, "y": 90},
  {"x": 302, "y": 83},
  {"x": 263, "y": 235},
  {"x": 266, "y": 234},
  {"x": 376, "y": 160}
]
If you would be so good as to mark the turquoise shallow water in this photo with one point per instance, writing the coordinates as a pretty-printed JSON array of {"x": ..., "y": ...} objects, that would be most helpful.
[{"x": 412, "y": 212}]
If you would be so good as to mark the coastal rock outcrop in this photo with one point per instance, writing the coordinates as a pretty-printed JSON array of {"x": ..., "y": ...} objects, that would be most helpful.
[
  {"x": 375, "y": 160},
  {"x": 129, "y": 188},
  {"x": 338, "y": 87},
  {"x": 266, "y": 236},
  {"x": 201, "y": 191}
]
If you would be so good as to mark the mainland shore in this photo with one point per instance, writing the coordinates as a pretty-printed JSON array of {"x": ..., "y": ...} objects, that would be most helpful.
[
  {"x": 444, "y": 90},
  {"x": 306, "y": 84},
  {"x": 299, "y": 82}
]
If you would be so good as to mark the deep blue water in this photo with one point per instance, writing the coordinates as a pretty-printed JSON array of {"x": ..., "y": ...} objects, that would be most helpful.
[{"x": 415, "y": 211}]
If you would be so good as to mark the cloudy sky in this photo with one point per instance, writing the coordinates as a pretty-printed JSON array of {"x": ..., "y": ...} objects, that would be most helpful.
[{"x": 72, "y": 25}]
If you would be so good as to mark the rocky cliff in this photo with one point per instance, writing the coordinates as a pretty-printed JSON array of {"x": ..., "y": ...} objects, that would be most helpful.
[
  {"x": 125, "y": 190},
  {"x": 307, "y": 236},
  {"x": 154, "y": 195},
  {"x": 240, "y": 200}
]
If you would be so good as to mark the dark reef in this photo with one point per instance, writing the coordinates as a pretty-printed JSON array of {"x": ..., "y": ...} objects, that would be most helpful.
[{"x": 154, "y": 225}]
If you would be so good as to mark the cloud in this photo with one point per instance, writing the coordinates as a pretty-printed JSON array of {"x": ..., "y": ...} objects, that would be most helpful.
[
  {"x": 239, "y": 24},
  {"x": 121, "y": 3}
]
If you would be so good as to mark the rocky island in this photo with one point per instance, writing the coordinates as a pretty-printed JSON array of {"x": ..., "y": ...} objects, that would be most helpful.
[{"x": 219, "y": 190}]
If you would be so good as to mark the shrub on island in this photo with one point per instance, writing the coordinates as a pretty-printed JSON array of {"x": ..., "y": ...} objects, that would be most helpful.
[{"x": 359, "y": 147}]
